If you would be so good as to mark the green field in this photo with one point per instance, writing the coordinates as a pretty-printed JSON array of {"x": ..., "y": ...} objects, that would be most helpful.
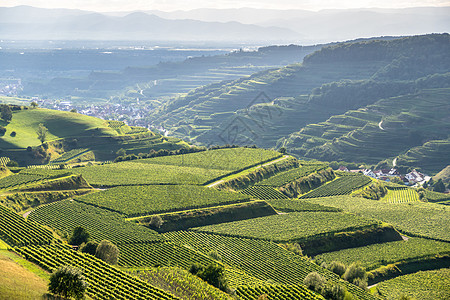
[
  {"x": 424, "y": 285},
  {"x": 137, "y": 173},
  {"x": 264, "y": 260},
  {"x": 16, "y": 231},
  {"x": 299, "y": 205},
  {"x": 291, "y": 175},
  {"x": 264, "y": 193},
  {"x": 59, "y": 123},
  {"x": 377, "y": 255},
  {"x": 415, "y": 218},
  {"x": 231, "y": 159},
  {"x": 401, "y": 195},
  {"x": 101, "y": 224},
  {"x": 292, "y": 226},
  {"x": 153, "y": 199},
  {"x": 340, "y": 186},
  {"x": 105, "y": 281},
  {"x": 274, "y": 290}
]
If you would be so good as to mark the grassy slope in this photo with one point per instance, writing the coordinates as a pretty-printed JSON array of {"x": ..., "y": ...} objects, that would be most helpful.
[
  {"x": 60, "y": 124},
  {"x": 444, "y": 174},
  {"x": 16, "y": 282}
]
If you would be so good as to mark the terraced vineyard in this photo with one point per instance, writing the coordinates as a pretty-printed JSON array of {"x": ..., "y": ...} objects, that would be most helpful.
[
  {"x": 16, "y": 231},
  {"x": 291, "y": 227},
  {"x": 262, "y": 259},
  {"x": 424, "y": 285},
  {"x": 101, "y": 224},
  {"x": 153, "y": 199},
  {"x": 401, "y": 195},
  {"x": 160, "y": 254},
  {"x": 291, "y": 175},
  {"x": 340, "y": 186},
  {"x": 69, "y": 155},
  {"x": 276, "y": 291},
  {"x": 4, "y": 160},
  {"x": 140, "y": 173},
  {"x": 434, "y": 218},
  {"x": 377, "y": 255},
  {"x": 17, "y": 180},
  {"x": 263, "y": 193},
  {"x": 299, "y": 205},
  {"x": 436, "y": 197},
  {"x": 231, "y": 159},
  {"x": 115, "y": 124},
  {"x": 105, "y": 281}
]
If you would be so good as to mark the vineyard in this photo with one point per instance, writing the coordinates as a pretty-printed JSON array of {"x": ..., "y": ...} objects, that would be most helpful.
[
  {"x": 4, "y": 160},
  {"x": 180, "y": 283},
  {"x": 424, "y": 285},
  {"x": 105, "y": 281},
  {"x": 16, "y": 231},
  {"x": 291, "y": 227},
  {"x": 262, "y": 259},
  {"x": 401, "y": 195},
  {"x": 138, "y": 173},
  {"x": 16, "y": 180},
  {"x": 49, "y": 167},
  {"x": 115, "y": 124},
  {"x": 299, "y": 205},
  {"x": 160, "y": 254},
  {"x": 65, "y": 215},
  {"x": 231, "y": 159},
  {"x": 263, "y": 193},
  {"x": 291, "y": 175},
  {"x": 276, "y": 291},
  {"x": 377, "y": 255},
  {"x": 67, "y": 156},
  {"x": 136, "y": 129},
  {"x": 436, "y": 197},
  {"x": 153, "y": 199},
  {"x": 434, "y": 218},
  {"x": 340, "y": 186}
]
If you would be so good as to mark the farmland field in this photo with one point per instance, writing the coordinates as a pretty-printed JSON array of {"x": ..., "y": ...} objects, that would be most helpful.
[
  {"x": 105, "y": 281},
  {"x": 264, "y": 193},
  {"x": 377, "y": 255},
  {"x": 264, "y": 260},
  {"x": 231, "y": 159},
  {"x": 137, "y": 173},
  {"x": 340, "y": 186},
  {"x": 299, "y": 205},
  {"x": 424, "y": 285},
  {"x": 291, "y": 175},
  {"x": 274, "y": 290},
  {"x": 160, "y": 254},
  {"x": 101, "y": 224},
  {"x": 434, "y": 218},
  {"x": 291, "y": 227},
  {"x": 401, "y": 195},
  {"x": 17, "y": 180},
  {"x": 153, "y": 199},
  {"x": 16, "y": 231}
]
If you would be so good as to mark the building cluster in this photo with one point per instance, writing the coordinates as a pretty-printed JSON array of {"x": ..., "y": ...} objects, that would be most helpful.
[
  {"x": 10, "y": 87},
  {"x": 413, "y": 178}
]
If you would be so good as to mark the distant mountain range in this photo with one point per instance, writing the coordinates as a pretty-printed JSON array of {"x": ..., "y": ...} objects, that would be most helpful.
[{"x": 237, "y": 25}]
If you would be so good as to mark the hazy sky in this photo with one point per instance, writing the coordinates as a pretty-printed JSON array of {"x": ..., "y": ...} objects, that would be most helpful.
[{"x": 170, "y": 5}]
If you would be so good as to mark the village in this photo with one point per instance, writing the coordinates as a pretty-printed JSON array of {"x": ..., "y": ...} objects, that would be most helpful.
[{"x": 413, "y": 178}]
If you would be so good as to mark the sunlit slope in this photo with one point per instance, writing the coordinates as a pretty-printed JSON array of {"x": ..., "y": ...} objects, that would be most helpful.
[{"x": 60, "y": 124}]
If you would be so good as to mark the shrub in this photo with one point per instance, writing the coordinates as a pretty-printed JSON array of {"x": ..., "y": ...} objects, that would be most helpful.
[
  {"x": 79, "y": 236},
  {"x": 13, "y": 134},
  {"x": 337, "y": 267},
  {"x": 12, "y": 163},
  {"x": 108, "y": 252},
  {"x": 90, "y": 247},
  {"x": 215, "y": 255},
  {"x": 2, "y": 130},
  {"x": 213, "y": 274},
  {"x": 314, "y": 281},
  {"x": 356, "y": 274},
  {"x": 156, "y": 221},
  {"x": 68, "y": 282}
]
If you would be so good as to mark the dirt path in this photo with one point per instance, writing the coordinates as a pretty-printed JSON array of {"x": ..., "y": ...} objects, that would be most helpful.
[
  {"x": 25, "y": 215},
  {"x": 255, "y": 168}
]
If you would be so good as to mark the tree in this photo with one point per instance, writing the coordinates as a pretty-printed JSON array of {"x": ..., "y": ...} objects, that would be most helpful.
[
  {"x": 68, "y": 282},
  {"x": 282, "y": 150},
  {"x": 439, "y": 186},
  {"x": 41, "y": 132},
  {"x": 212, "y": 274},
  {"x": 34, "y": 104},
  {"x": 337, "y": 267},
  {"x": 314, "y": 281},
  {"x": 156, "y": 221},
  {"x": 79, "y": 236},
  {"x": 108, "y": 252},
  {"x": 356, "y": 274},
  {"x": 6, "y": 113},
  {"x": 90, "y": 247},
  {"x": 121, "y": 152},
  {"x": 73, "y": 110},
  {"x": 2, "y": 130}
]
